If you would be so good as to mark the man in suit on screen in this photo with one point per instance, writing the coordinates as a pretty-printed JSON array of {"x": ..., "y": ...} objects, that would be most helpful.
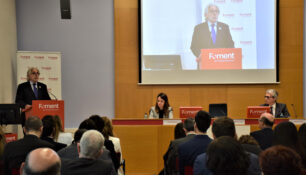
[
  {"x": 31, "y": 90},
  {"x": 211, "y": 33}
]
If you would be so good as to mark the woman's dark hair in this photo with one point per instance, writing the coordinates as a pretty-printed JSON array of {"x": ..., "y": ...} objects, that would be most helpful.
[
  {"x": 247, "y": 139},
  {"x": 285, "y": 133},
  {"x": 88, "y": 124},
  {"x": 280, "y": 160},
  {"x": 48, "y": 126},
  {"x": 166, "y": 105},
  {"x": 179, "y": 131},
  {"x": 98, "y": 121},
  {"x": 225, "y": 155}
]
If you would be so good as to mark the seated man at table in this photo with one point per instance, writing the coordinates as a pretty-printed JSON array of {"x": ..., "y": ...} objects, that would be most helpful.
[
  {"x": 188, "y": 151},
  {"x": 264, "y": 136},
  {"x": 278, "y": 110}
]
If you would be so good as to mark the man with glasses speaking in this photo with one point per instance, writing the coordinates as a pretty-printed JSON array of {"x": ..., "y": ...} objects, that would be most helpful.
[
  {"x": 31, "y": 90},
  {"x": 278, "y": 110}
]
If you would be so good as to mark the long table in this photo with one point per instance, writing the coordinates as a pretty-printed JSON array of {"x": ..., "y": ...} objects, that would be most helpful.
[{"x": 145, "y": 141}]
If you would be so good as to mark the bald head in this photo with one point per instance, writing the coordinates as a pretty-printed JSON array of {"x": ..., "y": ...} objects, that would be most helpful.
[
  {"x": 43, "y": 161},
  {"x": 266, "y": 120}
]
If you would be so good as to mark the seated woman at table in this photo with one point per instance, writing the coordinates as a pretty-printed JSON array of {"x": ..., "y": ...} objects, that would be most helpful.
[{"x": 162, "y": 107}]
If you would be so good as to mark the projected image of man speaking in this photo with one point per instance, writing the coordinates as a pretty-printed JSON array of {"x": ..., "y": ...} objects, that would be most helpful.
[{"x": 212, "y": 33}]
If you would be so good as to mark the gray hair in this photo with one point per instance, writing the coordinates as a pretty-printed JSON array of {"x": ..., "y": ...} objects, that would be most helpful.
[
  {"x": 30, "y": 70},
  {"x": 91, "y": 144},
  {"x": 273, "y": 92},
  {"x": 207, "y": 8}
]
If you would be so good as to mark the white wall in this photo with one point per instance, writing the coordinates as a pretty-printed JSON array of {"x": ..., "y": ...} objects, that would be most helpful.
[
  {"x": 87, "y": 45},
  {"x": 8, "y": 45}
]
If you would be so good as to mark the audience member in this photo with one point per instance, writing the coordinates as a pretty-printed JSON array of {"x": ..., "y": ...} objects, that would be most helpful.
[
  {"x": 278, "y": 110},
  {"x": 264, "y": 136},
  {"x": 108, "y": 143},
  {"x": 109, "y": 135},
  {"x": 250, "y": 144},
  {"x": 49, "y": 131},
  {"x": 90, "y": 149},
  {"x": 224, "y": 126},
  {"x": 285, "y": 133},
  {"x": 171, "y": 156},
  {"x": 179, "y": 131},
  {"x": 59, "y": 135},
  {"x": 188, "y": 151},
  {"x": 280, "y": 160},
  {"x": 302, "y": 140},
  {"x": 162, "y": 107},
  {"x": 225, "y": 156},
  {"x": 15, "y": 152},
  {"x": 71, "y": 151},
  {"x": 41, "y": 161}
]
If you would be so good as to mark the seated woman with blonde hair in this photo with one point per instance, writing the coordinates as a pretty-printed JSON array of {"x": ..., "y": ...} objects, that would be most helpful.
[
  {"x": 59, "y": 134},
  {"x": 108, "y": 134},
  {"x": 162, "y": 107}
]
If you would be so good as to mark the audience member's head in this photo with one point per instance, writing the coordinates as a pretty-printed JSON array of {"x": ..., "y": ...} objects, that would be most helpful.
[
  {"x": 48, "y": 126},
  {"x": 58, "y": 126},
  {"x": 225, "y": 155},
  {"x": 78, "y": 135},
  {"x": 33, "y": 125},
  {"x": 223, "y": 126},
  {"x": 266, "y": 120},
  {"x": 41, "y": 161},
  {"x": 247, "y": 139},
  {"x": 108, "y": 128},
  {"x": 2, "y": 141},
  {"x": 188, "y": 125},
  {"x": 202, "y": 121},
  {"x": 179, "y": 131},
  {"x": 91, "y": 144},
  {"x": 280, "y": 160},
  {"x": 302, "y": 135},
  {"x": 286, "y": 134},
  {"x": 98, "y": 121},
  {"x": 88, "y": 124}
]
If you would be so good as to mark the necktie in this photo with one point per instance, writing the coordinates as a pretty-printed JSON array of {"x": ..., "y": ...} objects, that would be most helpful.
[
  {"x": 213, "y": 33},
  {"x": 271, "y": 110},
  {"x": 35, "y": 90}
]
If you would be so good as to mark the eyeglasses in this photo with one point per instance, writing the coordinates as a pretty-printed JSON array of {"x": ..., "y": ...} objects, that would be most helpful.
[
  {"x": 269, "y": 97},
  {"x": 35, "y": 73}
]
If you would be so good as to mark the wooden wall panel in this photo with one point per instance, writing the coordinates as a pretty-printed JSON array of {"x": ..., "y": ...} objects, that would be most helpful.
[{"x": 133, "y": 100}]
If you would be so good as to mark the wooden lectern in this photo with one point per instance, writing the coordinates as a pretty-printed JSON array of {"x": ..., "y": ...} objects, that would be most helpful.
[{"x": 40, "y": 108}]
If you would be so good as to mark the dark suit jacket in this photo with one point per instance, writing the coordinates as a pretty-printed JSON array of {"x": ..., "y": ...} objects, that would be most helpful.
[
  {"x": 84, "y": 166},
  {"x": 281, "y": 110},
  {"x": 15, "y": 152},
  {"x": 71, "y": 152},
  {"x": 189, "y": 150},
  {"x": 264, "y": 137},
  {"x": 25, "y": 94},
  {"x": 201, "y": 38},
  {"x": 171, "y": 155},
  {"x": 57, "y": 146}
]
